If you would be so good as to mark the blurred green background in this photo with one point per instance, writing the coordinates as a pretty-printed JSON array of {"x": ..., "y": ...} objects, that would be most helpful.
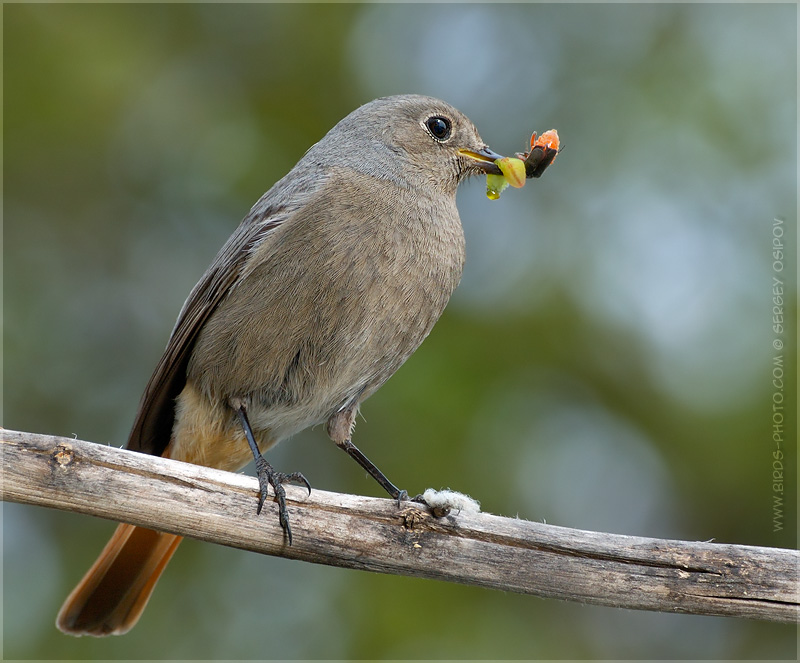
[{"x": 605, "y": 364}]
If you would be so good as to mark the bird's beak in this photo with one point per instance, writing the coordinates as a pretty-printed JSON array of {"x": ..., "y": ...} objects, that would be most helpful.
[{"x": 484, "y": 159}]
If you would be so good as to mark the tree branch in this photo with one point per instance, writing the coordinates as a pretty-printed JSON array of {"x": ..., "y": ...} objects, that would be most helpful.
[{"x": 374, "y": 534}]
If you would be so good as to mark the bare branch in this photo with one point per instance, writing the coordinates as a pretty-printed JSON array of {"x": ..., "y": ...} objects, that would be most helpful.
[{"x": 374, "y": 534}]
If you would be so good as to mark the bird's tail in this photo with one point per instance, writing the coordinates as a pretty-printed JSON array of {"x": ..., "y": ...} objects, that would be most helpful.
[{"x": 113, "y": 593}]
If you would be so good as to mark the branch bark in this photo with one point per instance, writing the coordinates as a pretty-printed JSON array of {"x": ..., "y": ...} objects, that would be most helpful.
[{"x": 375, "y": 535}]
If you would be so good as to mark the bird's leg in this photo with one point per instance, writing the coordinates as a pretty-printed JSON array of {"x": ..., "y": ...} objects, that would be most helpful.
[
  {"x": 354, "y": 452},
  {"x": 340, "y": 429},
  {"x": 268, "y": 476}
]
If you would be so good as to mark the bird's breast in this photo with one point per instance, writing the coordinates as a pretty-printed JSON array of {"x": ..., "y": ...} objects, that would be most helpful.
[{"x": 332, "y": 302}]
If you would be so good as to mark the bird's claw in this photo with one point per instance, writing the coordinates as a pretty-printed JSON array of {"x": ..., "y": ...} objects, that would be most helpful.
[
  {"x": 402, "y": 496},
  {"x": 269, "y": 477}
]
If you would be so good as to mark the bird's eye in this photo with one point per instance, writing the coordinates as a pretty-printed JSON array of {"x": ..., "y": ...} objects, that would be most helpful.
[{"x": 439, "y": 127}]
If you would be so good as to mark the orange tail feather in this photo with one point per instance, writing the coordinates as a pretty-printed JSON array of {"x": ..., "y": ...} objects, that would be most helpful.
[{"x": 113, "y": 593}]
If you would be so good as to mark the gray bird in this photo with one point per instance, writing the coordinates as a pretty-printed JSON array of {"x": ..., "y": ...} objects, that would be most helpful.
[{"x": 333, "y": 279}]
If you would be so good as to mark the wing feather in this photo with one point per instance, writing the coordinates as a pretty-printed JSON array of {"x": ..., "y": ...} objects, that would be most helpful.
[{"x": 152, "y": 427}]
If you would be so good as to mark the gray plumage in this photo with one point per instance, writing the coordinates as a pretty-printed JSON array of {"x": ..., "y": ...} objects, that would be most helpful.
[
  {"x": 332, "y": 280},
  {"x": 329, "y": 284}
]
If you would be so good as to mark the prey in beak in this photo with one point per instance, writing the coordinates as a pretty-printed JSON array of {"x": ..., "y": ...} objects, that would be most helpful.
[{"x": 504, "y": 171}]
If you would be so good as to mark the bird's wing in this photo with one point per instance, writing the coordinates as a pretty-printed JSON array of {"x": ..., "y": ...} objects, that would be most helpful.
[{"x": 152, "y": 427}]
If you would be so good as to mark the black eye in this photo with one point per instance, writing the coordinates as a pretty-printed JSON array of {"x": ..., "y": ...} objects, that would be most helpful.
[{"x": 439, "y": 127}]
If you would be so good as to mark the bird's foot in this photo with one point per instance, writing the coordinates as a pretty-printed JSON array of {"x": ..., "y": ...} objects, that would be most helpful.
[
  {"x": 402, "y": 496},
  {"x": 267, "y": 476}
]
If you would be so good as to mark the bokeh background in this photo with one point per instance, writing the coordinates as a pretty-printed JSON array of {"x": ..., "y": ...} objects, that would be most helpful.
[{"x": 605, "y": 364}]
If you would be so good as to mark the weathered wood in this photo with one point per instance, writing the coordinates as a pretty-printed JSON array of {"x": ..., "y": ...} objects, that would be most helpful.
[{"x": 374, "y": 534}]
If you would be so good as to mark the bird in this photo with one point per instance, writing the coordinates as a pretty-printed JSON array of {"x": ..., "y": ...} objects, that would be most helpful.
[{"x": 332, "y": 280}]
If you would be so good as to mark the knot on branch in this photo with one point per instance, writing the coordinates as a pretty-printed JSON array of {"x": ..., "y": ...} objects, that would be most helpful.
[{"x": 63, "y": 455}]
